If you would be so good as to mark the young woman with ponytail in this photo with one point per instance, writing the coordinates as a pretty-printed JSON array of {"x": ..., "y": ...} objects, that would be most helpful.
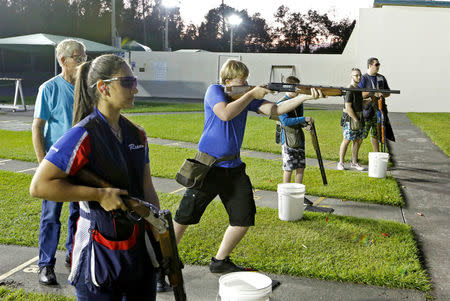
[{"x": 112, "y": 257}]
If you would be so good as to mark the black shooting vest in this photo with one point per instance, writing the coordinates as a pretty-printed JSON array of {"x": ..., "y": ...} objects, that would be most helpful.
[
  {"x": 294, "y": 130},
  {"x": 121, "y": 164},
  {"x": 380, "y": 85}
]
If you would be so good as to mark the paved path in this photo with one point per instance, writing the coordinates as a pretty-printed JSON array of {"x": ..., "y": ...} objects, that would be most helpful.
[{"x": 423, "y": 172}]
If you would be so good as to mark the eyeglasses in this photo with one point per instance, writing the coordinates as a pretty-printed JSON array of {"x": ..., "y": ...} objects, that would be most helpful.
[
  {"x": 128, "y": 82},
  {"x": 377, "y": 65},
  {"x": 79, "y": 58}
]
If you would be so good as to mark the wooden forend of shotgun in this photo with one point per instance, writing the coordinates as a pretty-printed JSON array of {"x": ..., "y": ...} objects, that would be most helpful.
[
  {"x": 381, "y": 129},
  {"x": 162, "y": 223}
]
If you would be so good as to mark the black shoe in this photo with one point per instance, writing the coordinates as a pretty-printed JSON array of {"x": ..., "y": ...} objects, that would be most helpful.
[
  {"x": 47, "y": 275},
  {"x": 68, "y": 262},
  {"x": 318, "y": 209},
  {"x": 307, "y": 202},
  {"x": 161, "y": 284},
  {"x": 224, "y": 266}
]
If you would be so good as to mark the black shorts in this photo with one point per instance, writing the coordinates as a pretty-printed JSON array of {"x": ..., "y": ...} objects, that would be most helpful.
[{"x": 234, "y": 189}]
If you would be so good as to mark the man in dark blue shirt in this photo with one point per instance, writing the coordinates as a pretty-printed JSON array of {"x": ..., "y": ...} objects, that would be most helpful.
[{"x": 374, "y": 80}]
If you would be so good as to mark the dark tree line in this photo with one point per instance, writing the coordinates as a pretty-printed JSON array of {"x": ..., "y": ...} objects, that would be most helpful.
[{"x": 144, "y": 20}]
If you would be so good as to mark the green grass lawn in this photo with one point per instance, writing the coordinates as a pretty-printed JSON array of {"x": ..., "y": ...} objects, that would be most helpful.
[
  {"x": 17, "y": 145},
  {"x": 144, "y": 106},
  {"x": 436, "y": 126},
  {"x": 259, "y": 135},
  {"x": 338, "y": 248},
  {"x": 11, "y": 294},
  {"x": 140, "y": 106},
  {"x": 29, "y": 100},
  {"x": 265, "y": 174}
]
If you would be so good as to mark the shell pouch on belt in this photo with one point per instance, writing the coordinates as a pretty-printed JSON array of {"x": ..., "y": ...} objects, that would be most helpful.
[
  {"x": 357, "y": 125},
  {"x": 113, "y": 263},
  {"x": 193, "y": 171},
  {"x": 294, "y": 135}
]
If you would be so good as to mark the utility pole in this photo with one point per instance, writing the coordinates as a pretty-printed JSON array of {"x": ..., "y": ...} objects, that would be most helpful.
[
  {"x": 143, "y": 21},
  {"x": 166, "y": 31},
  {"x": 115, "y": 39},
  {"x": 223, "y": 17},
  {"x": 113, "y": 23}
]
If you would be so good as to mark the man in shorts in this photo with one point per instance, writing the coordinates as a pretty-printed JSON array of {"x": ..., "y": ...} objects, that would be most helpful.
[
  {"x": 223, "y": 133},
  {"x": 352, "y": 122},
  {"x": 293, "y": 149},
  {"x": 292, "y": 141}
]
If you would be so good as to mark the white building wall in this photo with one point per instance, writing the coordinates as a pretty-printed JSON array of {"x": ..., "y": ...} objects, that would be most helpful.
[
  {"x": 412, "y": 44},
  {"x": 189, "y": 74}
]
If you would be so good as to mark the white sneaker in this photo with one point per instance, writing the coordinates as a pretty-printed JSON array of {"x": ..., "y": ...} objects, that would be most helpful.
[
  {"x": 340, "y": 166},
  {"x": 357, "y": 166}
]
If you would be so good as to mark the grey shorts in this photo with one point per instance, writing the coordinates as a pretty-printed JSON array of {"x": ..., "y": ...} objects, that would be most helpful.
[{"x": 293, "y": 158}]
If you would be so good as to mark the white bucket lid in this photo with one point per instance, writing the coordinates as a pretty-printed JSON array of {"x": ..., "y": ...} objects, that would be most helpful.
[
  {"x": 245, "y": 284},
  {"x": 291, "y": 187},
  {"x": 378, "y": 155}
]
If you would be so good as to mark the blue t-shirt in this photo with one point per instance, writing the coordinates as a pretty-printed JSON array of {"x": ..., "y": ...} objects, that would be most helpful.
[
  {"x": 223, "y": 138},
  {"x": 54, "y": 103}
]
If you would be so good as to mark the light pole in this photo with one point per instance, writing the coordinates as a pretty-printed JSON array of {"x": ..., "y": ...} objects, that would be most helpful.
[
  {"x": 233, "y": 20},
  {"x": 168, "y": 4},
  {"x": 113, "y": 23}
]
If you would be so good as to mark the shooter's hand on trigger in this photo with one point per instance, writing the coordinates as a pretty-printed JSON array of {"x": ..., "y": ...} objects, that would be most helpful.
[
  {"x": 259, "y": 92},
  {"x": 109, "y": 198}
]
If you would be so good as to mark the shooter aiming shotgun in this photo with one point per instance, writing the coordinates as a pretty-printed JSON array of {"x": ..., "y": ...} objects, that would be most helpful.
[
  {"x": 161, "y": 222},
  {"x": 237, "y": 91}
]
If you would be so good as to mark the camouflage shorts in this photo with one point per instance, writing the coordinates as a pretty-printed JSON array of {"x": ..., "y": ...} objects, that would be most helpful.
[
  {"x": 293, "y": 158},
  {"x": 352, "y": 135},
  {"x": 370, "y": 126}
]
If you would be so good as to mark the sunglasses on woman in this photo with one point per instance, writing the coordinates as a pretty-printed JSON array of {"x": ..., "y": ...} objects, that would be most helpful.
[{"x": 128, "y": 82}]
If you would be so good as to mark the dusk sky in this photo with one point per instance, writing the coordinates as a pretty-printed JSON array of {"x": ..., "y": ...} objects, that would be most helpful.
[{"x": 193, "y": 11}]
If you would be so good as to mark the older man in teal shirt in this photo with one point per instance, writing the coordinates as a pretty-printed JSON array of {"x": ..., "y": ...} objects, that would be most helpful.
[{"x": 52, "y": 118}]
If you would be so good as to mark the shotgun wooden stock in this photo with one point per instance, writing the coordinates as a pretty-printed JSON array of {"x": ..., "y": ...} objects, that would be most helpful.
[
  {"x": 160, "y": 220},
  {"x": 315, "y": 143}
]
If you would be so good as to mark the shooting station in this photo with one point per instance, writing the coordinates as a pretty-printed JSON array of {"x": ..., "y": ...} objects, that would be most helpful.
[{"x": 421, "y": 36}]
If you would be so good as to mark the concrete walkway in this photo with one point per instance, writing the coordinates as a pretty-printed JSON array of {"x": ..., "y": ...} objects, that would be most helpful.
[{"x": 423, "y": 172}]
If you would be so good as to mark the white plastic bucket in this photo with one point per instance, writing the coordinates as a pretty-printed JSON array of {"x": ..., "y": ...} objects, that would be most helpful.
[
  {"x": 245, "y": 286},
  {"x": 290, "y": 201},
  {"x": 378, "y": 164}
]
